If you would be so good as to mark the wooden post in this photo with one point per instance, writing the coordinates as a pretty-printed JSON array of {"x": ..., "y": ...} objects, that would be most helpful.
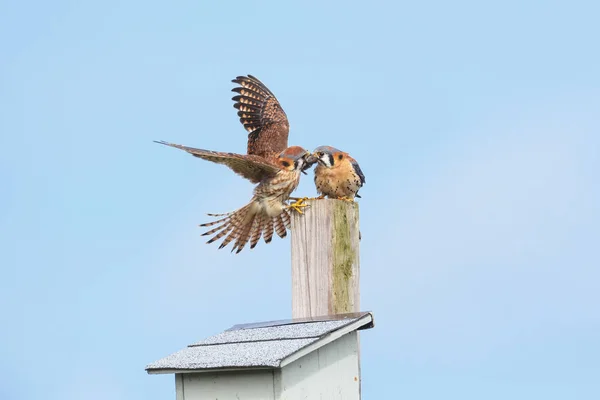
[{"x": 325, "y": 259}]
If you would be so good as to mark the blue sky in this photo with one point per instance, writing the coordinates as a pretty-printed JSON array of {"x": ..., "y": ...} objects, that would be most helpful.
[{"x": 475, "y": 124}]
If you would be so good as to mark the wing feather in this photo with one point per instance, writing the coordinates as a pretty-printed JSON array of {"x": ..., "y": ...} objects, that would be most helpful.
[
  {"x": 262, "y": 116},
  {"x": 251, "y": 167},
  {"x": 358, "y": 172}
]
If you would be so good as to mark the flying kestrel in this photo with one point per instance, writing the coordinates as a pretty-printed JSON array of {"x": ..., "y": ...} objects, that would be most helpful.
[
  {"x": 273, "y": 166},
  {"x": 337, "y": 176}
]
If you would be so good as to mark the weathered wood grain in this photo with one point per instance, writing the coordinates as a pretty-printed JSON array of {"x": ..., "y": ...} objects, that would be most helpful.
[{"x": 325, "y": 259}]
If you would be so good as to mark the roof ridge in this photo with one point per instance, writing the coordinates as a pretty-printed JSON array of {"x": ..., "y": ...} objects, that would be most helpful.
[{"x": 255, "y": 341}]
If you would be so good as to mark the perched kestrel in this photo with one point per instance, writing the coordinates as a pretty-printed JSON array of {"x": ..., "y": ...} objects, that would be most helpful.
[
  {"x": 337, "y": 176},
  {"x": 267, "y": 211},
  {"x": 262, "y": 116}
]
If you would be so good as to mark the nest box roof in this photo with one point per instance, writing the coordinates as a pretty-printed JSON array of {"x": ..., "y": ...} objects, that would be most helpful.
[{"x": 261, "y": 345}]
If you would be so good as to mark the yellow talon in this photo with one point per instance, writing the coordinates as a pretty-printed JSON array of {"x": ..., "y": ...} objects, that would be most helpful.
[
  {"x": 299, "y": 204},
  {"x": 304, "y": 198},
  {"x": 321, "y": 197},
  {"x": 344, "y": 198}
]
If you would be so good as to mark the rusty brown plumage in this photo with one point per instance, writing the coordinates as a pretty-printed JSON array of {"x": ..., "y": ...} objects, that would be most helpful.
[{"x": 262, "y": 116}]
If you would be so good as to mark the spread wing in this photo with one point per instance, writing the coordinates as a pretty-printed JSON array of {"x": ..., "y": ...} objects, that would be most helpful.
[
  {"x": 251, "y": 167},
  {"x": 262, "y": 116}
]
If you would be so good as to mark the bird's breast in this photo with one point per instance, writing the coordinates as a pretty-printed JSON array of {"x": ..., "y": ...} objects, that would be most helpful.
[
  {"x": 334, "y": 174},
  {"x": 281, "y": 185}
]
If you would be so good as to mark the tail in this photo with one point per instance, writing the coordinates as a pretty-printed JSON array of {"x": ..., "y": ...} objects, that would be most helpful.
[{"x": 247, "y": 224}]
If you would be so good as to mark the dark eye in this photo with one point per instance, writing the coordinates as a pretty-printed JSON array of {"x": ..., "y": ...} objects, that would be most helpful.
[
  {"x": 340, "y": 157},
  {"x": 285, "y": 164}
]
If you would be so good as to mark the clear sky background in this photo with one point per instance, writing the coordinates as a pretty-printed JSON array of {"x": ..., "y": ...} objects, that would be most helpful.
[{"x": 477, "y": 125}]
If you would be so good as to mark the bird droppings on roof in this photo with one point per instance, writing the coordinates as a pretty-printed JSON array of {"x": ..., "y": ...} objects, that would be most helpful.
[{"x": 263, "y": 345}]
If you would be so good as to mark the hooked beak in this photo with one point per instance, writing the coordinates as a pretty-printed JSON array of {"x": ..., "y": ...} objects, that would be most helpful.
[
  {"x": 317, "y": 159},
  {"x": 309, "y": 161}
]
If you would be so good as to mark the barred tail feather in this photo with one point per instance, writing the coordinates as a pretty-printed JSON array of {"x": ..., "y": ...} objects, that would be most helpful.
[
  {"x": 246, "y": 225},
  {"x": 257, "y": 230},
  {"x": 225, "y": 225},
  {"x": 268, "y": 231},
  {"x": 287, "y": 221},
  {"x": 244, "y": 234},
  {"x": 224, "y": 231},
  {"x": 279, "y": 225},
  {"x": 237, "y": 224},
  {"x": 220, "y": 215},
  {"x": 214, "y": 222},
  {"x": 214, "y": 230}
]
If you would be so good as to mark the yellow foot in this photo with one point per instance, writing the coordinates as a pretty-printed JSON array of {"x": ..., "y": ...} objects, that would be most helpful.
[
  {"x": 344, "y": 198},
  {"x": 298, "y": 205},
  {"x": 321, "y": 197},
  {"x": 304, "y": 198}
]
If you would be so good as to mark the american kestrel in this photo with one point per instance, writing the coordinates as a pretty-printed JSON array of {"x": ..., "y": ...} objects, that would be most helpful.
[
  {"x": 337, "y": 175},
  {"x": 267, "y": 211},
  {"x": 270, "y": 163}
]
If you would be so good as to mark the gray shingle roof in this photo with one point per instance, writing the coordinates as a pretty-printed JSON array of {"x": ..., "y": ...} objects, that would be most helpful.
[{"x": 263, "y": 345}]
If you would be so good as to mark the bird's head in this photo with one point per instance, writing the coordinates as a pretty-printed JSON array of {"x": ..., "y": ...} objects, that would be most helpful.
[
  {"x": 295, "y": 158},
  {"x": 328, "y": 156}
]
